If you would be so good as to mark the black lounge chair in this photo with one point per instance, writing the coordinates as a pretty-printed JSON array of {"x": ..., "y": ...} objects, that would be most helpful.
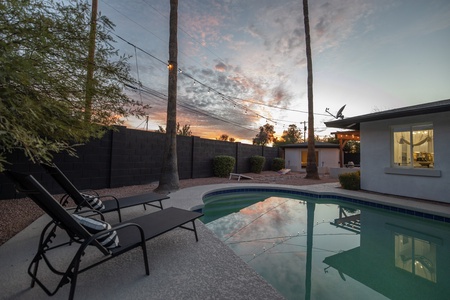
[
  {"x": 131, "y": 234},
  {"x": 109, "y": 205}
]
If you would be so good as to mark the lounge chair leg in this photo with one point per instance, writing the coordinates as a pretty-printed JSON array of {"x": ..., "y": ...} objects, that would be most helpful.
[
  {"x": 195, "y": 230},
  {"x": 120, "y": 215},
  {"x": 72, "y": 274},
  {"x": 34, "y": 272},
  {"x": 144, "y": 250}
]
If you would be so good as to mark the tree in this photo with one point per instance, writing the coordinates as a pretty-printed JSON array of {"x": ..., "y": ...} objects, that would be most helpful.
[
  {"x": 223, "y": 137},
  {"x": 169, "y": 179},
  {"x": 43, "y": 62},
  {"x": 161, "y": 129},
  {"x": 265, "y": 135},
  {"x": 185, "y": 130},
  {"x": 311, "y": 166},
  {"x": 290, "y": 136}
]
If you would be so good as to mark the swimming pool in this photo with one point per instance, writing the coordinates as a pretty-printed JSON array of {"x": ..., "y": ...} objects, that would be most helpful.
[{"x": 317, "y": 247}]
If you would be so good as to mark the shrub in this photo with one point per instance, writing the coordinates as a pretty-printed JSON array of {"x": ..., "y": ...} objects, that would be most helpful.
[
  {"x": 223, "y": 165},
  {"x": 277, "y": 164},
  {"x": 257, "y": 163},
  {"x": 350, "y": 181}
]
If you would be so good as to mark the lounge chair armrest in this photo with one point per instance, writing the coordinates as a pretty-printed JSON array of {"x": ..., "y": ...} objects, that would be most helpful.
[
  {"x": 107, "y": 196},
  {"x": 112, "y": 197},
  {"x": 89, "y": 191},
  {"x": 90, "y": 213}
]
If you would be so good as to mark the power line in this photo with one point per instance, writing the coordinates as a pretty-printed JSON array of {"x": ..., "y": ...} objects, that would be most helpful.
[
  {"x": 146, "y": 29},
  {"x": 224, "y": 97},
  {"x": 139, "y": 48},
  {"x": 184, "y": 31}
]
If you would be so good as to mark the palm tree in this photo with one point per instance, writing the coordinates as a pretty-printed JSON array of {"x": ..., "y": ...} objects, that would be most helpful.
[
  {"x": 311, "y": 165},
  {"x": 169, "y": 180}
]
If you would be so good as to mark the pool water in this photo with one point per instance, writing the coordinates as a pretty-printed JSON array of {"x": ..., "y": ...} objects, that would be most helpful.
[{"x": 325, "y": 249}]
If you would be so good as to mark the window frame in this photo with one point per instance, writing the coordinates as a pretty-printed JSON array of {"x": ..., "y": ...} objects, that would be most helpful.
[{"x": 410, "y": 128}]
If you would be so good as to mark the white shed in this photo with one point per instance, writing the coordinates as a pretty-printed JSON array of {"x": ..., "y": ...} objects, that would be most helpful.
[{"x": 327, "y": 156}]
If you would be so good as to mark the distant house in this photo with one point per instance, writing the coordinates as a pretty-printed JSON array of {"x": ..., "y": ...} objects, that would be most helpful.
[
  {"x": 405, "y": 151},
  {"x": 327, "y": 156}
]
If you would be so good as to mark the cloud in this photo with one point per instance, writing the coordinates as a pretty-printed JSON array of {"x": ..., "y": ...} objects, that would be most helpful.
[
  {"x": 221, "y": 67},
  {"x": 281, "y": 27}
]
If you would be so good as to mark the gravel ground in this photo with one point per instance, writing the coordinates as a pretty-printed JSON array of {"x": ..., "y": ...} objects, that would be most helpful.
[{"x": 16, "y": 214}]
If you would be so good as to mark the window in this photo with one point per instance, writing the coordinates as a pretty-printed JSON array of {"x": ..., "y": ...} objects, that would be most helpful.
[
  {"x": 305, "y": 158},
  {"x": 413, "y": 146},
  {"x": 416, "y": 256}
]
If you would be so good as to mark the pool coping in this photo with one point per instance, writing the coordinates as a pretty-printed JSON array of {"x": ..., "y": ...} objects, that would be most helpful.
[{"x": 192, "y": 198}]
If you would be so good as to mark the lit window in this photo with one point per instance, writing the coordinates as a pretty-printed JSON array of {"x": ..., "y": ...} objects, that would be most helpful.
[
  {"x": 305, "y": 158},
  {"x": 413, "y": 146},
  {"x": 416, "y": 256}
]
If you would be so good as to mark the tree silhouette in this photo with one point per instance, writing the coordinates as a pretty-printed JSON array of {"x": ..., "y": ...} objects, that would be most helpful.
[
  {"x": 265, "y": 135},
  {"x": 290, "y": 136}
]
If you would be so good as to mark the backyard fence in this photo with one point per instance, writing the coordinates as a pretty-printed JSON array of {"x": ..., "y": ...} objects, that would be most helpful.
[{"x": 132, "y": 157}]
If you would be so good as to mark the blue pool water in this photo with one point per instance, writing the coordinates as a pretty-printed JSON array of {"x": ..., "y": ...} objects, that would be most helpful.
[{"x": 321, "y": 248}]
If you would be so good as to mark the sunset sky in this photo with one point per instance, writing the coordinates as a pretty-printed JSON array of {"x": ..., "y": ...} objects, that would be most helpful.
[{"x": 243, "y": 62}]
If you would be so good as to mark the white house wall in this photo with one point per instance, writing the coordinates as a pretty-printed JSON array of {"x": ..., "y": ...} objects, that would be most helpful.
[
  {"x": 292, "y": 158},
  {"x": 376, "y": 160}
]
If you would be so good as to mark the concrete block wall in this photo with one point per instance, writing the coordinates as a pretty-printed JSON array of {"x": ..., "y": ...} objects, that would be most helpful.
[{"x": 131, "y": 157}]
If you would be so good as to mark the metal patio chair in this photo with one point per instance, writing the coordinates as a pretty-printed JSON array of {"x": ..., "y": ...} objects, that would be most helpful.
[{"x": 111, "y": 241}]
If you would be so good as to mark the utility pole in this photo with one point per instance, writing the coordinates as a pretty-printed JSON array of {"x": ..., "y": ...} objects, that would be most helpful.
[
  {"x": 91, "y": 63},
  {"x": 304, "y": 130}
]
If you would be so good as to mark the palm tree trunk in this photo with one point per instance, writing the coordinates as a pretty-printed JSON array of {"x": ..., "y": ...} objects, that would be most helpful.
[
  {"x": 169, "y": 180},
  {"x": 311, "y": 165}
]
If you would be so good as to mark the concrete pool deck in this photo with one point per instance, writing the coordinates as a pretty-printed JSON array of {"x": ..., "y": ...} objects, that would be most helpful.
[{"x": 180, "y": 268}]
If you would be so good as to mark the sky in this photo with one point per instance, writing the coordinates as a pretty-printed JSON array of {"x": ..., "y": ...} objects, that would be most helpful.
[{"x": 243, "y": 62}]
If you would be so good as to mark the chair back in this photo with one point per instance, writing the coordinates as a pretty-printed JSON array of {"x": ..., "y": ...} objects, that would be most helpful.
[
  {"x": 66, "y": 184},
  {"x": 28, "y": 185}
]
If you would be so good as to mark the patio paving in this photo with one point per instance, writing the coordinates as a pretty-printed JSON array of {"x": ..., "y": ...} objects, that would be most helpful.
[{"x": 180, "y": 268}]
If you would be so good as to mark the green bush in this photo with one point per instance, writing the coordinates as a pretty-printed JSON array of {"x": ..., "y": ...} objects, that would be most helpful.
[
  {"x": 350, "y": 181},
  {"x": 223, "y": 165},
  {"x": 257, "y": 163},
  {"x": 277, "y": 164}
]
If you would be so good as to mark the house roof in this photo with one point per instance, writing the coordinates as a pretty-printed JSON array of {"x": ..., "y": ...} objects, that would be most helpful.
[
  {"x": 316, "y": 145},
  {"x": 421, "y": 109}
]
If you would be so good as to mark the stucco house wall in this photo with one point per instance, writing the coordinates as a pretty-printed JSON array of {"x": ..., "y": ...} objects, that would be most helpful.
[
  {"x": 292, "y": 158},
  {"x": 329, "y": 158},
  {"x": 378, "y": 175}
]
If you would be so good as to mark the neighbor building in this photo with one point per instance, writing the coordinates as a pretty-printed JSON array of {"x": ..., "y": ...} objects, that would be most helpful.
[{"x": 327, "y": 156}]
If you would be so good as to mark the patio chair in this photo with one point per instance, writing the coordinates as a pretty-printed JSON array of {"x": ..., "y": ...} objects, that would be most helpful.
[
  {"x": 111, "y": 241},
  {"x": 105, "y": 203}
]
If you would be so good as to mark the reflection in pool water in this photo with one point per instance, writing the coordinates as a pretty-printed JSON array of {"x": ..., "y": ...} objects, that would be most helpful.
[{"x": 319, "y": 249}]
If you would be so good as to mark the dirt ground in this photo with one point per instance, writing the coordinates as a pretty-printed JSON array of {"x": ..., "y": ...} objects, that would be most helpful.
[{"x": 16, "y": 214}]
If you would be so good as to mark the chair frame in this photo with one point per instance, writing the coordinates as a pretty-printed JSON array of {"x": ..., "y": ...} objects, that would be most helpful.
[
  {"x": 113, "y": 204},
  {"x": 62, "y": 219}
]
